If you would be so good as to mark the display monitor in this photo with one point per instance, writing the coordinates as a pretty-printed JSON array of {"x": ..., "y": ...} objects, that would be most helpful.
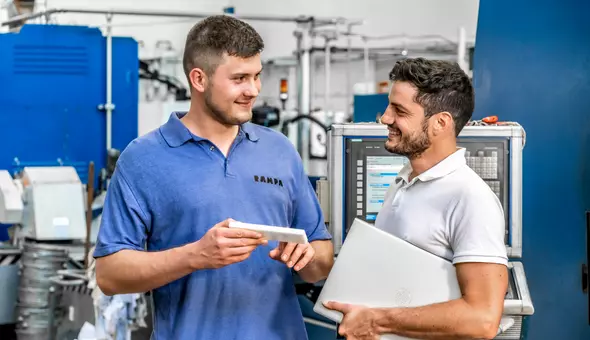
[
  {"x": 380, "y": 173},
  {"x": 371, "y": 169}
]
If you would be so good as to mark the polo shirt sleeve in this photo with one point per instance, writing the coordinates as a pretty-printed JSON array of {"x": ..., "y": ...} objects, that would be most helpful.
[
  {"x": 307, "y": 211},
  {"x": 124, "y": 223},
  {"x": 478, "y": 229}
]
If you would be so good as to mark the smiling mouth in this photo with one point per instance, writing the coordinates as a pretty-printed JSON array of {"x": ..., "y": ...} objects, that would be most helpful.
[
  {"x": 244, "y": 104},
  {"x": 394, "y": 133}
]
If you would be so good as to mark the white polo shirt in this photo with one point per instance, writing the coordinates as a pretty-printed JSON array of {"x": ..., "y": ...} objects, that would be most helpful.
[{"x": 447, "y": 210}]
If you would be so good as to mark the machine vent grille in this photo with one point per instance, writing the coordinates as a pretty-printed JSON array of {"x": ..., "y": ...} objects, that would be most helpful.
[
  {"x": 50, "y": 60},
  {"x": 514, "y": 332}
]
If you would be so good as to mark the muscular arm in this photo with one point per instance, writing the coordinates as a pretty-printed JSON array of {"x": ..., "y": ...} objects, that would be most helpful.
[
  {"x": 132, "y": 271},
  {"x": 322, "y": 263},
  {"x": 476, "y": 314}
]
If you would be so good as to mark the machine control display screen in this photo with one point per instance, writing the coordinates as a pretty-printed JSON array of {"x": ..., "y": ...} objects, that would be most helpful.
[
  {"x": 371, "y": 170},
  {"x": 381, "y": 172}
]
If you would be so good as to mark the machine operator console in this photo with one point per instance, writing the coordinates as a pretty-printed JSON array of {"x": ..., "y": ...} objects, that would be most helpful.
[
  {"x": 358, "y": 159},
  {"x": 372, "y": 169},
  {"x": 360, "y": 171}
]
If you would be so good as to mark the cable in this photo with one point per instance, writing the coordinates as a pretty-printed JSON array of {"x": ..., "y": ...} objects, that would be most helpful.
[
  {"x": 285, "y": 127},
  {"x": 172, "y": 83}
]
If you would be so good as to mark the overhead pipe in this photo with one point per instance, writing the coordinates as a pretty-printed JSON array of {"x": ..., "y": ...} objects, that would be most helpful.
[
  {"x": 361, "y": 50},
  {"x": 296, "y": 19}
]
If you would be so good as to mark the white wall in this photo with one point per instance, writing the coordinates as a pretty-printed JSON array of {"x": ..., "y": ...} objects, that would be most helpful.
[{"x": 382, "y": 17}]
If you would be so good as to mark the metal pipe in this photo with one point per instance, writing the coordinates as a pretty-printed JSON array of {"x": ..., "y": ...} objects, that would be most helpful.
[
  {"x": 414, "y": 37},
  {"x": 366, "y": 60},
  {"x": 297, "y": 19},
  {"x": 299, "y": 48},
  {"x": 305, "y": 56},
  {"x": 347, "y": 108},
  {"x": 393, "y": 36},
  {"x": 327, "y": 68},
  {"x": 305, "y": 97},
  {"x": 353, "y": 22},
  {"x": 462, "y": 49},
  {"x": 109, "y": 70}
]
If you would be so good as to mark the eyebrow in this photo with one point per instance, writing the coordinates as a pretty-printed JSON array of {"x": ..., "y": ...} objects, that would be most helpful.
[
  {"x": 245, "y": 74},
  {"x": 399, "y": 106}
]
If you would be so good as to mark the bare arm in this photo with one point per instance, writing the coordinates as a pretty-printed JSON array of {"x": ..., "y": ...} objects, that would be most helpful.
[
  {"x": 476, "y": 315},
  {"x": 321, "y": 264},
  {"x": 131, "y": 271}
]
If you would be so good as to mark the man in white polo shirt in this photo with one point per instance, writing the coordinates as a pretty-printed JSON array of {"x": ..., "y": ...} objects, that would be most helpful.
[{"x": 439, "y": 204}]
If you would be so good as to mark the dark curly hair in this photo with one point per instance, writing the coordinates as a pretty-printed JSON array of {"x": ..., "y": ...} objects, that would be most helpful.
[
  {"x": 441, "y": 85},
  {"x": 214, "y": 36}
]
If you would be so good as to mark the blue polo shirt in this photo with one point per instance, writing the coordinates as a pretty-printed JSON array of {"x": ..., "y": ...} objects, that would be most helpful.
[{"x": 171, "y": 186}]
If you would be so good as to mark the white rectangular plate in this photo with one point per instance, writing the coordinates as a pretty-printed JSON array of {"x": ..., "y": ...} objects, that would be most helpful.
[{"x": 271, "y": 233}]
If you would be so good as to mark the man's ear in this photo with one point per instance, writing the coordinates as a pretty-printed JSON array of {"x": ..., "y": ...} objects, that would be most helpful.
[
  {"x": 442, "y": 122},
  {"x": 198, "y": 79}
]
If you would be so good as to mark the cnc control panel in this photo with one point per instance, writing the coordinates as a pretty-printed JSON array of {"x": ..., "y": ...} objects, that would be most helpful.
[{"x": 371, "y": 169}]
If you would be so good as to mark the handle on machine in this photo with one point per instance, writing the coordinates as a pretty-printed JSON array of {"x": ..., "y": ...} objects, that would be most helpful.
[
  {"x": 58, "y": 280},
  {"x": 72, "y": 274},
  {"x": 64, "y": 278}
]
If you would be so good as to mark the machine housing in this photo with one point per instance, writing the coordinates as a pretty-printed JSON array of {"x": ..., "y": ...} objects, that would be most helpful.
[
  {"x": 63, "y": 121},
  {"x": 47, "y": 202},
  {"x": 494, "y": 152},
  {"x": 360, "y": 171}
]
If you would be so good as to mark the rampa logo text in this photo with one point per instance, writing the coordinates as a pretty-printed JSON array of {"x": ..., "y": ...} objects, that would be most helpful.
[{"x": 269, "y": 180}]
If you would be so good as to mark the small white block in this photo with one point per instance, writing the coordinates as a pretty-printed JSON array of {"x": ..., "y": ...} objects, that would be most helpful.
[{"x": 272, "y": 233}]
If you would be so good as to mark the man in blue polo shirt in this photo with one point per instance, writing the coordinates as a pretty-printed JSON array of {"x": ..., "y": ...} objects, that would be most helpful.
[{"x": 165, "y": 221}]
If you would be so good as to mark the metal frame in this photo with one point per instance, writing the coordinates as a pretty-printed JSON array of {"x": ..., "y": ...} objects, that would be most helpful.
[
  {"x": 460, "y": 47},
  {"x": 523, "y": 305},
  {"x": 340, "y": 132}
]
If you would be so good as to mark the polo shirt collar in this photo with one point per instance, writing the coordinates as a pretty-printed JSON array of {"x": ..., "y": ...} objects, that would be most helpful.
[
  {"x": 250, "y": 131},
  {"x": 443, "y": 168},
  {"x": 175, "y": 133}
]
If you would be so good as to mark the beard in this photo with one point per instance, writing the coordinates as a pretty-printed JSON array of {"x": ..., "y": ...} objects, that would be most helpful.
[
  {"x": 411, "y": 146},
  {"x": 224, "y": 117}
]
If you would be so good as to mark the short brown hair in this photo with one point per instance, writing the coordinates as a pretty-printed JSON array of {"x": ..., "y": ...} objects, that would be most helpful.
[{"x": 214, "y": 36}]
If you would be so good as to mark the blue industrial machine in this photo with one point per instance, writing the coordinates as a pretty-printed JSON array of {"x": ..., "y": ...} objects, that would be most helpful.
[
  {"x": 368, "y": 107},
  {"x": 56, "y": 84},
  {"x": 54, "y": 91},
  {"x": 532, "y": 65}
]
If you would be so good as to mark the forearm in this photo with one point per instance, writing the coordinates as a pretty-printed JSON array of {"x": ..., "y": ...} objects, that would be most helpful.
[
  {"x": 449, "y": 320},
  {"x": 130, "y": 271},
  {"x": 319, "y": 268}
]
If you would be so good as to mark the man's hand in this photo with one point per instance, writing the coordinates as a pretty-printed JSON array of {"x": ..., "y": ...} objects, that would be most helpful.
[
  {"x": 222, "y": 246},
  {"x": 358, "y": 322},
  {"x": 294, "y": 255}
]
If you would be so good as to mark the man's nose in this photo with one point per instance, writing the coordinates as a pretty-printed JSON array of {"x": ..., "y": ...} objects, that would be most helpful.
[
  {"x": 253, "y": 89},
  {"x": 387, "y": 118}
]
